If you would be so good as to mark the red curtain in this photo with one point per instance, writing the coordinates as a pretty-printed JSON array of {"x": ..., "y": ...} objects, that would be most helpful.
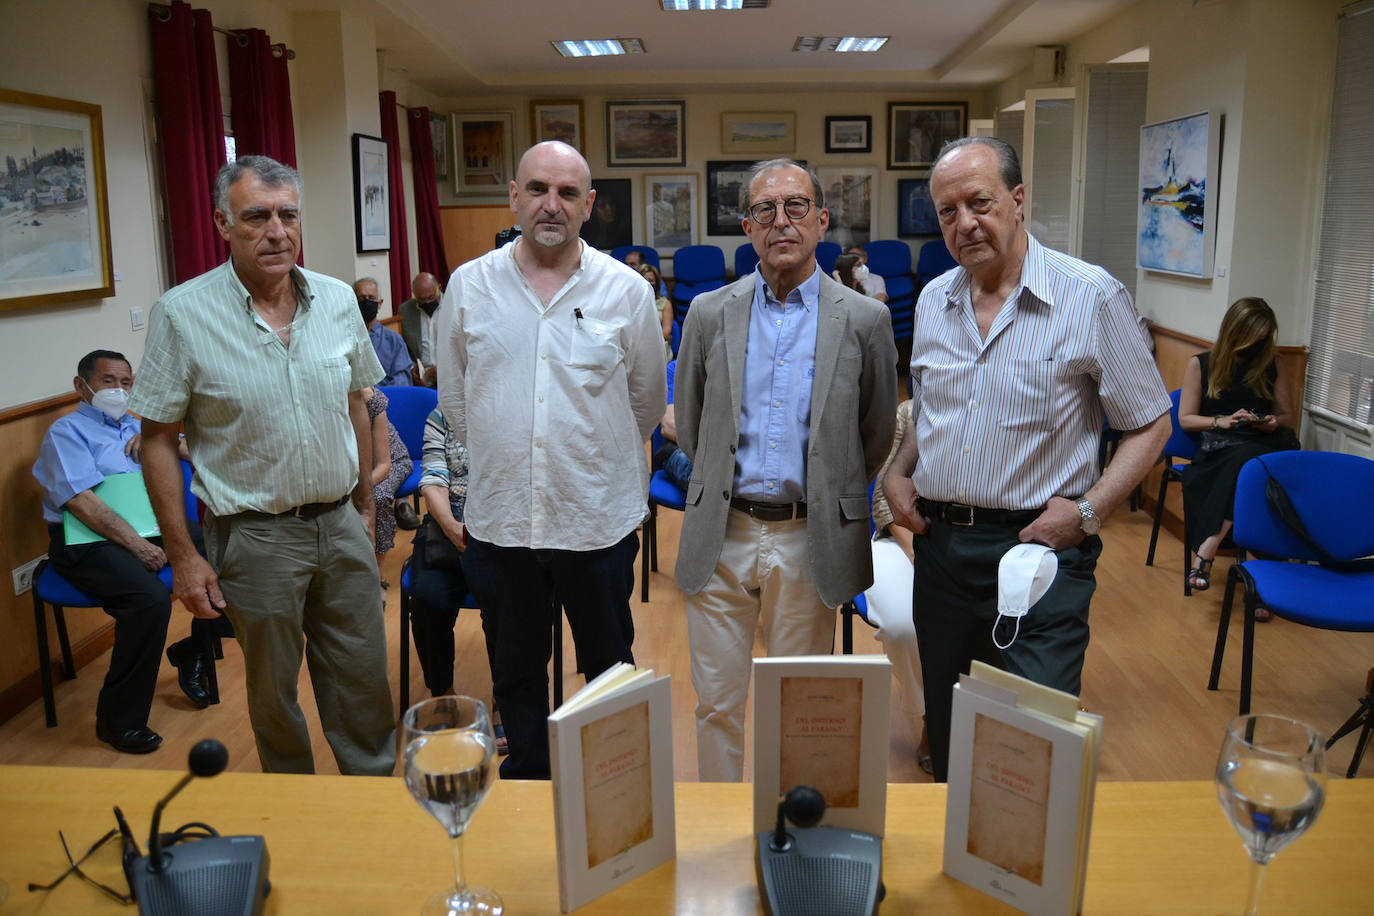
[
  {"x": 429, "y": 229},
  {"x": 192, "y": 129},
  {"x": 399, "y": 256},
  {"x": 260, "y": 94}
]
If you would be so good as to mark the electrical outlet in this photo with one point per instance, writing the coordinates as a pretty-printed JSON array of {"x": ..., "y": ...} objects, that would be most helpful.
[
  {"x": 23, "y": 575},
  {"x": 136, "y": 320}
]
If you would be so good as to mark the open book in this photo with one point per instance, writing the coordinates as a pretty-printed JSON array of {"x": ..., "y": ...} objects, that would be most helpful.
[
  {"x": 1022, "y": 772},
  {"x": 611, "y": 750}
]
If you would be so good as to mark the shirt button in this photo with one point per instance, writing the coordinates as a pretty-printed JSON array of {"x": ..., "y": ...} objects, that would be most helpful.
[
  {"x": 777, "y": 403},
  {"x": 770, "y": 486},
  {"x": 772, "y": 445},
  {"x": 725, "y": 494},
  {"x": 732, "y": 449},
  {"x": 543, "y": 356},
  {"x": 973, "y": 405},
  {"x": 541, "y": 399},
  {"x": 778, "y": 322},
  {"x": 782, "y": 362},
  {"x": 538, "y": 443},
  {"x": 967, "y": 450},
  {"x": 961, "y": 494}
]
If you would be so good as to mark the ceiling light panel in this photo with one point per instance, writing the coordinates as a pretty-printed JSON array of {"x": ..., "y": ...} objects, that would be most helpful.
[
  {"x": 840, "y": 45},
  {"x": 599, "y": 47},
  {"x": 682, "y": 6}
]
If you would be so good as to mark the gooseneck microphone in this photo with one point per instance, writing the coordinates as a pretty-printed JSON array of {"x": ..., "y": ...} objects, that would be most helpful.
[
  {"x": 803, "y": 806},
  {"x": 817, "y": 869},
  {"x": 208, "y": 758}
]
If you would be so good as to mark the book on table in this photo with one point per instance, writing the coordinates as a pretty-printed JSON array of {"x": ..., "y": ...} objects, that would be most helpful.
[
  {"x": 611, "y": 754},
  {"x": 127, "y": 497},
  {"x": 822, "y": 721},
  {"x": 1022, "y": 772}
]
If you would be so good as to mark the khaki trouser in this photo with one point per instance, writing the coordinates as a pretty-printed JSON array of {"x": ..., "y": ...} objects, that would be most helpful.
[{"x": 294, "y": 587}]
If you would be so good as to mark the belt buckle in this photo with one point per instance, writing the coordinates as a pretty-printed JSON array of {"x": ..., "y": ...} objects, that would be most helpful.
[
  {"x": 296, "y": 512},
  {"x": 966, "y": 521}
]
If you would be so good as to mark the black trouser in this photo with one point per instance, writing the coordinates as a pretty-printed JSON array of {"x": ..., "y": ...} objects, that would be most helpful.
[
  {"x": 522, "y": 587},
  {"x": 954, "y": 602},
  {"x": 437, "y": 595}
]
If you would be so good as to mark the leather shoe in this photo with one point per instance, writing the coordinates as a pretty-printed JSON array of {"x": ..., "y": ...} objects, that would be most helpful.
[
  {"x": 406, "y": 519},
  {"x": 129, "y": 740},
  {"x": 190, "y": 667}
]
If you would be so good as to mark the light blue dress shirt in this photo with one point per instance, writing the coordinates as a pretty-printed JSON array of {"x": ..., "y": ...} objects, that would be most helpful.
[
  {"x": 79, "y": 452},
  {"x": 391, "y": 353},
  {"x": 775, "y": 405}
]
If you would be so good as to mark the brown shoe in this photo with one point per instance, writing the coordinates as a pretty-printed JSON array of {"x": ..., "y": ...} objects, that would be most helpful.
[{"x": 923, "y": 758}]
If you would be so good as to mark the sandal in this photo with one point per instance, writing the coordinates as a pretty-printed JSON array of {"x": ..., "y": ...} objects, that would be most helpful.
[{"x": 1200, "y": 576}]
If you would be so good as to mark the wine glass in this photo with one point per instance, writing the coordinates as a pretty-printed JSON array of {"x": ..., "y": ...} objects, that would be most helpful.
[
  {"x": 449, "y": 768},
  {"x": 1271, "y": 782}
]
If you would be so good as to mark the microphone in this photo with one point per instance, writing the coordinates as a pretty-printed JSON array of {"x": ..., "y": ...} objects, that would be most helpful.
[
  {"x": 816, "y": 869},
  {"x": 803, "y": 806},
  {"x": 208, "y": 758}
]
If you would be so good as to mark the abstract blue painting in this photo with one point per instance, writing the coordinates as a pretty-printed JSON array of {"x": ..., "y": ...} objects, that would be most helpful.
[{"x": 1176, "y": 226}]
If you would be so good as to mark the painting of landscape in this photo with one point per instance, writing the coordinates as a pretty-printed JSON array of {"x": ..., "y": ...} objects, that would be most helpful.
[{"x": 1175, "y": 226}]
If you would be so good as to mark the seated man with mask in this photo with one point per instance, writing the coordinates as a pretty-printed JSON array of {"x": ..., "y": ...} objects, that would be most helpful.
[
  {"x": 391, "y": 349},
  {"x": 417, "y": 325},
  {"x": 80, "y": 450}
]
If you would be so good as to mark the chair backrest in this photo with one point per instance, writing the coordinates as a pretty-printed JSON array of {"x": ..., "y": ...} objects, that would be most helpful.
[
  {"x": 746, "y": 259},
  {"x": 933, "y": 260},
  {"x": 698, "y": 263},
  {"x": 409, "y": 408},
  {"x": 1182, "y": 444},
  {"x": 889, "y": 258},
  {"x": 650, "y": 254},
  {"x": 826, "y": 253},
  {"x": 1331, "y": 492}
]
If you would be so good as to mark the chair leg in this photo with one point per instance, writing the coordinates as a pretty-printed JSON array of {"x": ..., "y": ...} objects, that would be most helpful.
[
  {"x": 40, "y": 626},
  {"x": 405, "y": 650},
  {"x": 649, "y": 546},
  {"x": 1247, "y": 658},
  {"x": 1222, "y": 625},
  {"x": 847, "y": 612},
  {"x": 60, "y": 618},
  {"x": 1187, "y": 557},
  {"x": 1159, "y": 513},
  {"x": 1363, "y": 719}
]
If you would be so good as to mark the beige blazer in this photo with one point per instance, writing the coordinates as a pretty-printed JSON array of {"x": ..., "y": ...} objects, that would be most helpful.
[{"x": 853, "y": 403}]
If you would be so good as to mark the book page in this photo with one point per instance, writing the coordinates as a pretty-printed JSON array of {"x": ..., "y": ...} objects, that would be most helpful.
[
  {"x": 618, "y": 783},
  {"x": 821, "y": 721},
  {"x": 1009, "y": 797}
]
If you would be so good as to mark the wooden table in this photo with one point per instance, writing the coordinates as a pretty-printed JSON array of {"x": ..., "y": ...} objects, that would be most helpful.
[{"x": 345, "y": 845}]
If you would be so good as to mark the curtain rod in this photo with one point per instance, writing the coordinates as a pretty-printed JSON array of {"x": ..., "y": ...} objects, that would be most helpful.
[{"x": 164, "y": 12}]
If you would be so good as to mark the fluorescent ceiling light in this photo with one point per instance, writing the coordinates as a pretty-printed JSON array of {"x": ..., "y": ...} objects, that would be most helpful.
[
  {"x": 841, "y": 45},
  {"x": 599, "y": 47},
  {"x": 677, "y": 6}
]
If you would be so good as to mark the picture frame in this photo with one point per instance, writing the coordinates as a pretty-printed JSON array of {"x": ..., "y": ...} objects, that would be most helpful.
[
  {"x": 848, "y": 134},
  {"x": 1176, "y": 222},
  {"x": 557, "y": 119},
  {"x": 483, "y": 152},
  {"x": 753, "y": 132},
  {"x": 670, "y": 211},
  {"x": 646, "y": 133},
  {"x": 851, "y": 196},
  {"x": 915, "y": 210},
  {"x": 438, "y": 135},
  {"x": 371, "y": 194},
  {"x": 726, "y": 180},
  {"x": 60, "y": 228},
  {"x": 612, "y": 221},
  {"x": 917, "y": 130}
]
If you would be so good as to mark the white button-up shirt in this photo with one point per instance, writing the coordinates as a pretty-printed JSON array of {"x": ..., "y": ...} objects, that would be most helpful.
[{"x": 553, "y": 402}]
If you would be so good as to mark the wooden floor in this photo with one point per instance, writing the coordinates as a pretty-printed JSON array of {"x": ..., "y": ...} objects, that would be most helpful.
[{"x": 1146, "y": 673}]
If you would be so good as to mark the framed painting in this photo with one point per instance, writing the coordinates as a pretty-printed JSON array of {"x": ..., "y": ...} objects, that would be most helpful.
[
  {"x": 726, "y": 182},
  {"x": 848, "y": 134},
  {"x": 1176, "y": 224},
  {"x": 483, "y": 152},
  {"x": 438, "y": 135},
  {"x": 646, "y": 133},
  {"x": 612, "y": 221},
  {"x": 915, "y": 210},
  {"x": 752, "y": 132},
  {"x": 851, "y": 196},
  {"x": 917, "y": 130},
  {"x": 371, "y": 197},
  {"x": 54, "y": 211},
  {"x": 670, "y": 211},
  {"x": 557, "y": 119}
]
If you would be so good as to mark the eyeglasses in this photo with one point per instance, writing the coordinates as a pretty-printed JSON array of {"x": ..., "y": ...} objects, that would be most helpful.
[
  {"x": 131, "y": 852},
  {"x": 766, "y": 211}
]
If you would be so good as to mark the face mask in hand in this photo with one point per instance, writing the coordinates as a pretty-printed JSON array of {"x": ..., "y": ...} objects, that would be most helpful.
[
  {"x": 369, "y": 309},
  {"x": 112, "y": 402}
]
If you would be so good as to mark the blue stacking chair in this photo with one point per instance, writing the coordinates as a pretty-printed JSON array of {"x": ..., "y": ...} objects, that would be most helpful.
[
  {"x": 891, "y": 259},
  {"x": 1330, "y": 492},
  {"x": 409, "y": 408},
  {"x": 746, "y": 259},
  {"x": 662, "y": 492},
  {"x": 826, "y": 253},
  {"x": 697, "y": 269},
  {"x": 933, "y": 260},
  {"x": 1179, "y": 450}
]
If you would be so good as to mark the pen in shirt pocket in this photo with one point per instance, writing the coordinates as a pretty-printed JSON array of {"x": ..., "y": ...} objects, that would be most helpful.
[{"x": 577, "y": 315}]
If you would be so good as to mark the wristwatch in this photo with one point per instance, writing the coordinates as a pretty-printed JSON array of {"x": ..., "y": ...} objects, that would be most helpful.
[{"x": 1091, "y": 524}]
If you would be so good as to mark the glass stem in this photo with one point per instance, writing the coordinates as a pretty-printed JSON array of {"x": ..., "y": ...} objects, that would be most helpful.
[
  {"x": 1256, "y": 876},
  {"x": 460, "y": 886}
]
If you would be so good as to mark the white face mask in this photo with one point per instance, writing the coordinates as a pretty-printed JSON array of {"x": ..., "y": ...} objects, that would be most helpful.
[
  {"x": 112, "y": 402},
  {"x": 1024, "y": 574},
  {"x": 861, "y": 272}
]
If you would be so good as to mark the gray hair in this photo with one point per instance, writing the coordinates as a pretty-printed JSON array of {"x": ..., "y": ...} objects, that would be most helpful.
[
  {"x": 1008, "y": 164},
  {"x": 769, "y": 165},
  {"x": 270, "y": 172},
  {"x": 361, "y": 280}
]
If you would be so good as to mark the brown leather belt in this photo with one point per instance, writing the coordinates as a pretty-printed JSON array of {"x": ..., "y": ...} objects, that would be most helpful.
[
  {"x": 769, "y": 512},
  {"x": 969, "y": 516},
  {"x": 305, "y": 511}
]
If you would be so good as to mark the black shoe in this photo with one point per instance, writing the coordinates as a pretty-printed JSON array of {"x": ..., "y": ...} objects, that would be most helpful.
[
  {"x": 406, "y": 519},
  {"x": 190, "y": 665},
  {"x": 130, "y": 740}
]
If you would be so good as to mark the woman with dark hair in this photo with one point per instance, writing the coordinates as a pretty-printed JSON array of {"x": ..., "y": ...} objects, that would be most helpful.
[{"x": 1235, "y": 397}]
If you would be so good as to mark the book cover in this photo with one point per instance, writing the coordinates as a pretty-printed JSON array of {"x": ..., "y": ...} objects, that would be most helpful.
[{"x": 822, "y": 721}]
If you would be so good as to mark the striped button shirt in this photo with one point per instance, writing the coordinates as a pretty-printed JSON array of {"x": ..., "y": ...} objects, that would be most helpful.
[
  {"x": 267, "y": 425},
  {"x": 1013, "y": 420}
]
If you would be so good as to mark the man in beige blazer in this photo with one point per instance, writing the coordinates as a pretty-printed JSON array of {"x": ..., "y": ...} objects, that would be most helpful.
[{"x": 785, "y": 397}]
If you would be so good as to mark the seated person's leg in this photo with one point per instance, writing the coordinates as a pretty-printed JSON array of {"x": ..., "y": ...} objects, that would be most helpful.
[{"x": 436, "y": 594}]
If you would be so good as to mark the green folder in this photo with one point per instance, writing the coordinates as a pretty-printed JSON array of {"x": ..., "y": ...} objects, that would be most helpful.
[{"x": 127, "y": 495}]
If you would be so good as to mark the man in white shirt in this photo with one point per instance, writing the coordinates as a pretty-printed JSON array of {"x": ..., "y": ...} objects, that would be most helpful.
[{"x": 552, "y": 374}]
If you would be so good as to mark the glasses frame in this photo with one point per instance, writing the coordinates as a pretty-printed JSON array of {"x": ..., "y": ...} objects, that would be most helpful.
[
  {"x": 786, "y": 202},
  {"x": 74, "y": 866}
]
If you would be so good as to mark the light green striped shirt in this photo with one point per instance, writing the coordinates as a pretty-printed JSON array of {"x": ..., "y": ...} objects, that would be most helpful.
[{"x": 267, "y": 425}]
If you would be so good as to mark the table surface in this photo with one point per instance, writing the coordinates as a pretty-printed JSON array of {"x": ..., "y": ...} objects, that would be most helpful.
[{"x": 344, "y": 845}]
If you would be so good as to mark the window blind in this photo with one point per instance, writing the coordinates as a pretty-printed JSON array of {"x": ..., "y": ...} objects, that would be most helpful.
[{"x": 1111, "y": 168}]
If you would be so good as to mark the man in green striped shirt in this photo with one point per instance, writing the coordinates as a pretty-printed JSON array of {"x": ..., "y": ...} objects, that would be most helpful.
[{"x": 264, "y": 363}]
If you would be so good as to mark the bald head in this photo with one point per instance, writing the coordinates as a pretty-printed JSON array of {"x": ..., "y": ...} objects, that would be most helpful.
[
  {"x": 552, "y": 195},
  {"x": 550, "y": 153},
  {"x": 424, "y": 286}
]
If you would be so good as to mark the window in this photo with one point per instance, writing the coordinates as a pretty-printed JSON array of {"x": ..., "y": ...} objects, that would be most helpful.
[{"x": 1111, "y": 166}]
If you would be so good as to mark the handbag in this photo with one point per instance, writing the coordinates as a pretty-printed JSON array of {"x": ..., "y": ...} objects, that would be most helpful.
[{"x": 439, "y": 552}]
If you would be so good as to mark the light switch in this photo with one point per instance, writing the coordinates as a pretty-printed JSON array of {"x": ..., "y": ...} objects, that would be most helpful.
[{"x": 136, "y": 321}]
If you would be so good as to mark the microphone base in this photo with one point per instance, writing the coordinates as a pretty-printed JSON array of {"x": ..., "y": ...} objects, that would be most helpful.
[
  {"x": 215, "y": 876},
  {"x": 824, "y": 870}
]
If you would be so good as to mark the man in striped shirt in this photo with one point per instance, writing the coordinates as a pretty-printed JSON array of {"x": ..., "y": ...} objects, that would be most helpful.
[{"x": 1016, "y": 356}]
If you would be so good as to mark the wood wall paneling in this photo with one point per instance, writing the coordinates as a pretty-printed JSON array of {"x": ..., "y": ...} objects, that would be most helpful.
[{"x": 470, "y": 232}]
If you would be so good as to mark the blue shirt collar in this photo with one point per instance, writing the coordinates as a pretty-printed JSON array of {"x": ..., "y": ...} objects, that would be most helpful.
[
  {"x": 809, "y": 291},
  {"x": 94, "y": 413}
]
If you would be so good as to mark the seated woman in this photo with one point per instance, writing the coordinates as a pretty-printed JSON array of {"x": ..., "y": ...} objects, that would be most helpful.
[
  {"x": 1235, "y": 397},
  {"x": 865, "y": 281},
  {"x": 665, "y": 308},
  {"x": 391, "y": 465}
]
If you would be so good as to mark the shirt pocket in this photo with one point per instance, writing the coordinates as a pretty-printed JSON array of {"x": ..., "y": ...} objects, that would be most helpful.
[
  {"x": 329, "y": 378},
  {"x": 1031, "y": 395},
  {"x": 595, "y": 346}
]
